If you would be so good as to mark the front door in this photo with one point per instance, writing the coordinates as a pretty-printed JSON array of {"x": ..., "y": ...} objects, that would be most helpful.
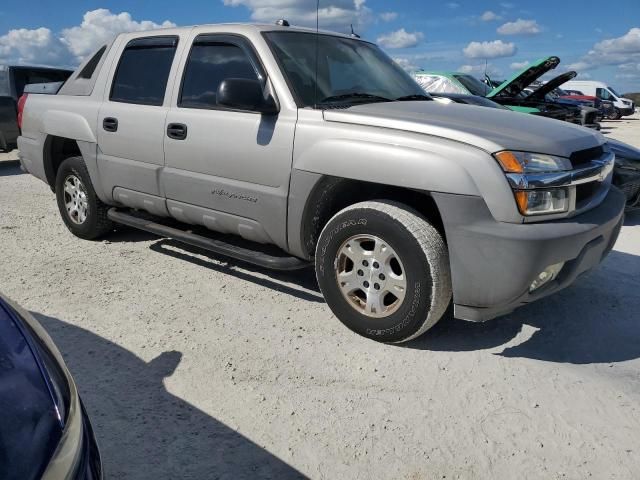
[{"x": 226, "y": 169}]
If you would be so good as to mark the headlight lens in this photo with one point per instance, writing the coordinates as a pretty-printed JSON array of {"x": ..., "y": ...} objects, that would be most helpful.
[
  {"x": 542, "y": 202},
  {"x": 526, "y": 162}
]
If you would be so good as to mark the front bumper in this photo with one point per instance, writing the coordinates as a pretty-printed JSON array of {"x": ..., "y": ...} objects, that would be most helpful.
[
  {"x": 627, "y": 111},
  {"x": 493, "y": 263}
]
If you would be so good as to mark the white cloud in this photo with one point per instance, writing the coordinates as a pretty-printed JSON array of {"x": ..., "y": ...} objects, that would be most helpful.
[
  {"x": 99, "y": 26},
  {"x": 481, "y": 70},
  {"x": 452, "y": 5},
  {"x": 494, "y": 49},
  {"x": 38, "y": 47},
  {"x": 614, "y": 51},
  {"x": 628, "y": 43},
  {"x": 400, "y": 39},
  {"x": 518, "y": 65},
  {"x": 42, "y": 47},
  {"x": 388, "y": 16},
  {"x": 507, "y": 5},
  {"x": 520, "y": 27},
  {"x": 406, "y": 64},
  {"x": 490, "y": 16},
  {"x": 334, "y": 14}
]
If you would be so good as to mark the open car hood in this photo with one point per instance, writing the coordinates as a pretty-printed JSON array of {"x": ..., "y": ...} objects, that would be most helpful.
[
  {"x": 551, "y": 85},
  {"x": 516, "y": 84}
]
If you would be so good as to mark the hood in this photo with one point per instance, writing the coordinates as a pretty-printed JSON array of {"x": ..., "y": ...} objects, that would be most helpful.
[
  {"x": 489, "y": 129},
  {"x": 551, "y": 85},
  {"x": 30, "y": 430},
  {"x": 516, "y": 84}
]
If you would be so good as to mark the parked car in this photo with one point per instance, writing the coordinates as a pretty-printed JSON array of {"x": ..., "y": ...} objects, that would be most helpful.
[
  {"x": 627, "y": 172},
  {"x": 46, "y": 433},
  {"x": 512, "y": 92},
  {"x": 349, "y": 165},
  {"x": 623, "y": 106},
  {"x": 13, "y": 80}
]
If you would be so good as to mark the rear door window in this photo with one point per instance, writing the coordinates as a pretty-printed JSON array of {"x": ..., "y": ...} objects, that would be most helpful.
[
  {"x": 143, "y": 71},
  {"x": 210, "y": 63}
]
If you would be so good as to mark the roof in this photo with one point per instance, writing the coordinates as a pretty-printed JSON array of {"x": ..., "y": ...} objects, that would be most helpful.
[{"x": 255, "y": 27}]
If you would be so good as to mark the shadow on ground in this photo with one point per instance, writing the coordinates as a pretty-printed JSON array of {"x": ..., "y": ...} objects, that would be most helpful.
[
  {"x": 597, "y": 320},
  {"x": 305, "y": 278},
  {"x": 145, "y": 432},
  {"x": 10, "y": 168}
]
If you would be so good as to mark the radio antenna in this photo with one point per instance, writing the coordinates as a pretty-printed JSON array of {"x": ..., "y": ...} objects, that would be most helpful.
[{"x": 315, "y": 99}]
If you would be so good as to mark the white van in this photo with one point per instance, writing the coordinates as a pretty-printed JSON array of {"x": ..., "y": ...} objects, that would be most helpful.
[{"x": 623, "y": 106}]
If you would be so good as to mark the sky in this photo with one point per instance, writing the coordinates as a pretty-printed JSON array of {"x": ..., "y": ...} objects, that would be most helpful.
[{"x": 601, "y": 41}]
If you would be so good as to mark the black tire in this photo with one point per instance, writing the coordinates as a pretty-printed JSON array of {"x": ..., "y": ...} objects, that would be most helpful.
[
  {"x": 96, "y": 223},
  {"x": 423, "y": 256},
  {"x": 615, "y": 115}
]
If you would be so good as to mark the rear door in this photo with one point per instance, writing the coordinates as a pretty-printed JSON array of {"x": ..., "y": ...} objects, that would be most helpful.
[
  {"x": 230, "y": 170},
  {"x": 131, "y": 122}
]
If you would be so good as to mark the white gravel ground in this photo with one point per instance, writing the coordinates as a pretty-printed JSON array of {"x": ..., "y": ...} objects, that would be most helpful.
[{"x": 195, "y": 368}]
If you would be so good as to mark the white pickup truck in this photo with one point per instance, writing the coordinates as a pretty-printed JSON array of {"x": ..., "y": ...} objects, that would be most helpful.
[{"x": 320, "y": 145}]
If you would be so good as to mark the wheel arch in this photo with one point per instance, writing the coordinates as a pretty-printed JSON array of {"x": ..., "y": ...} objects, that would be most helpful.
[{"x": 331, "y": 194}]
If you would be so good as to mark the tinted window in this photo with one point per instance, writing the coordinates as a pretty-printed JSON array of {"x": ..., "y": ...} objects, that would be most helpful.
[
  {"x": 4, "y": 82},
  {"x": 603, "y": 93},
  {"x": 90, "y": 67},
  {"x": 475, "y": 86},
  {"x": 209, "y": 64},
  {"x": 143, "y": 71}
]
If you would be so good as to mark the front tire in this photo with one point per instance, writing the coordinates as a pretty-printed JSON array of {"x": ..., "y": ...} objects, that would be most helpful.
[
  {"x": 82, "y": 211},
  {"x": 615, "y": 115},
  {"x": 384, "y": 271}
]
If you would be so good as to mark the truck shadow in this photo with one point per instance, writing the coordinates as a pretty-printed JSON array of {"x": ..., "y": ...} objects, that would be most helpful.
[
  {"x": 597, "y": 320},
  {"x": 10, "y": 168},
  {"x": 284, "y": 282},
  {"x": 145, "y": 432}
]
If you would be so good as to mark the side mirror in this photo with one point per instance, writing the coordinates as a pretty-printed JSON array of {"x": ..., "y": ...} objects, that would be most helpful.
[{"x": 246, "y": 94}]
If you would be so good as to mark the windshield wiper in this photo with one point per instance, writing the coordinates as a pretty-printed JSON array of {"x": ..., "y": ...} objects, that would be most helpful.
[
  {"x": 355, "y": 96},
  {"x": 408, "y": 98}
]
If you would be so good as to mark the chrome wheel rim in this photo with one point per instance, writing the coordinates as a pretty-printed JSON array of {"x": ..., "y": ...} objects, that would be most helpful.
[
  {"x": 75, "y": 200},
  {"x": 371, "y": 276}
]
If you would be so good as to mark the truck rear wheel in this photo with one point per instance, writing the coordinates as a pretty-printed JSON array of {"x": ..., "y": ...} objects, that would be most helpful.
[
  {"x": 384, "y": 271},
  {"x": 81, "y": 209}
]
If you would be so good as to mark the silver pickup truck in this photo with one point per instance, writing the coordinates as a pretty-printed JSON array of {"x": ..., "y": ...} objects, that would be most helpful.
[{"x": 320, "y": 145}]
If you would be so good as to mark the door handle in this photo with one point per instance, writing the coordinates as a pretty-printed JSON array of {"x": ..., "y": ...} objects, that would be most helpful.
[
  {"x": 110, "y": 124},
  {"x": 177, "y": 131}
]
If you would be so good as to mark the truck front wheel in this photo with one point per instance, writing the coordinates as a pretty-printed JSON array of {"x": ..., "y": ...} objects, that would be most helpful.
[
  {"x": 81, "y": 209},
  {"x": 384, "y": 271}
]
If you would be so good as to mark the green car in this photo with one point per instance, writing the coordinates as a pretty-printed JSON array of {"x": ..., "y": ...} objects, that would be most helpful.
[{"x": 509, "y": 93}]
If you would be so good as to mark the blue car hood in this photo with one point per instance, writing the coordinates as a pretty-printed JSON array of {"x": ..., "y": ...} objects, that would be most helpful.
[{"x": 30, "y": 430}]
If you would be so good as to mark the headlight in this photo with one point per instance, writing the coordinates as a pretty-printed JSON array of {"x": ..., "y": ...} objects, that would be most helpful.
[
  {"x": 526, "y": 162},
  {"x": 542, "y": 202}
]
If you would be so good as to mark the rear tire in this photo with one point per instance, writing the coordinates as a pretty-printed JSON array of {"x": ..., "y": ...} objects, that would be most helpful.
[
  {"x": 384, "y": 271},
  {"x": 82, "y": 211}
]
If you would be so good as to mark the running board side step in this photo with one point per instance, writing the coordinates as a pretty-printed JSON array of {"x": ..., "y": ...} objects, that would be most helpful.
[{"x": 253, "y": 257}]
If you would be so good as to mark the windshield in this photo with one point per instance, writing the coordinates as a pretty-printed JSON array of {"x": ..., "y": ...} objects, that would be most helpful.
[
  {"x": 349, "y": 71},
  {"x": 614, "y": 92},
  {"x": 475, "y": 86}
]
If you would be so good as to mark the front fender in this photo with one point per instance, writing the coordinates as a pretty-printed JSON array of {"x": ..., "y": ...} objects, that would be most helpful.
[{"x": 387, "y": 164}]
